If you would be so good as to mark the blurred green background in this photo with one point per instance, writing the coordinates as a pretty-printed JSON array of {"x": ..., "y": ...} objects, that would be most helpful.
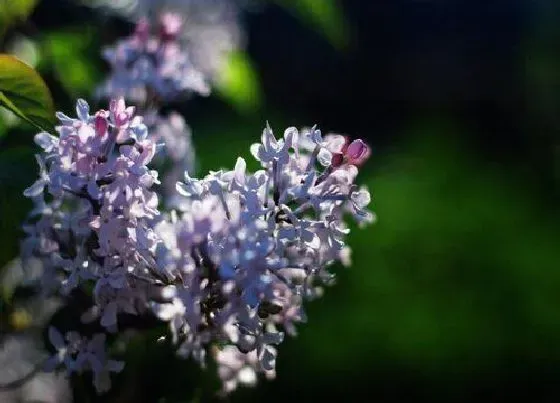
[{"x": 454, "y": 294}]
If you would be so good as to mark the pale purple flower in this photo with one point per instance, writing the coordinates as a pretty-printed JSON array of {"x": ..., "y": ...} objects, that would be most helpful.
[
  {"x": 270, "y": 149},
  {"x": 79, "y": 269},
  {"x": 230, "y": 264},
  {"x": 211, "y": 29},
  {"x": 267, "y": 253},
  {"x": 92, "y": 356},
  {"x": 79, "y": 353},
  {"x": 154, "y": 61},
  {"x": 66, "y": 349}
]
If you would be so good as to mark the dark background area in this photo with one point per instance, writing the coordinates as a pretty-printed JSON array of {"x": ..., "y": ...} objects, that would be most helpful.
[{"x": 454, "y": 294}]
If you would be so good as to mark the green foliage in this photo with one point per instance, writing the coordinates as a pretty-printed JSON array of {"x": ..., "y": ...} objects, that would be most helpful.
[
  {"x": 239, "y": 83},
  {"x": 24, "y": 92},
  {"x": 14, "y": 11},
  {"x": 67, "y": 56},
  {"x": 326, "y": 16},
  {"x": 461, "y": 263}
]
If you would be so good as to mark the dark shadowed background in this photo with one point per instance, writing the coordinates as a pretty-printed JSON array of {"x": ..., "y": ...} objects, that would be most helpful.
[{"x": 454, "y": 295}]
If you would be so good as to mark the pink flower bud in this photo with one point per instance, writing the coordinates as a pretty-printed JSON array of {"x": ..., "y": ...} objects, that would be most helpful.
[
  {"x": 171, "y": 25},
  {"x": 357, "y": 152},
  {"x": 142, "y": 31},
  {"x": 101, "y": 123}
]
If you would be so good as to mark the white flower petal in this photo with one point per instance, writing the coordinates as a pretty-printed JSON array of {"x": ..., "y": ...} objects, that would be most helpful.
[
  {"x": 46, "y": 141},
  {"x": 324, "y": 157},
  {"x": 247, "y": 376},
  {"x": 82, "y": 110},
  {"x": 36, "y": 189}
]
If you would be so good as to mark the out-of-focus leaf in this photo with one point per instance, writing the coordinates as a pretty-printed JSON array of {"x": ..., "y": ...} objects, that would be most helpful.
[
  {"x": 326, "y": 16},
  {"x": 66, "y": 53},
  {"x": 239, "y": 83},
  {"x": 13, "y": 11},
  {"x": 25, "y": 49},
  {"x": 23, "y": 91}
]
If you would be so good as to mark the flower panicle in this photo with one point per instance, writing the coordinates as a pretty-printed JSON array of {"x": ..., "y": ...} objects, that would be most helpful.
[{"x": 228, "y": 267}]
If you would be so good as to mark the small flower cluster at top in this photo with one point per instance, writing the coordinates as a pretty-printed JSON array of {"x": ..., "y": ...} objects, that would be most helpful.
[
  {"x": 209, "y": 32},
  {"x": 153, "y": 63},
  {"x": 227, "y": 268},
  {"x": 150, "y": 68}
]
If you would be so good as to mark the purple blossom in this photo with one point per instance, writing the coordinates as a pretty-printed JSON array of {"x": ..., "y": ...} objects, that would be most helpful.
[
  {"x": 211, "y": 30},
  {"x": 80, "y": 353},
  {"x": 229, "y": 265},
  {"x": 154, "y": 61},
  {"x": 260, "y": 262}
]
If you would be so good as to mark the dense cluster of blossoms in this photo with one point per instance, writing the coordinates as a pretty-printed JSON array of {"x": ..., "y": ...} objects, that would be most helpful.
[
  {"x": 177, "y": 48},
  {"x": 152, "y": 63},
  {"x": 211, "y": 28},
  {"x": 227, "y": 267}
]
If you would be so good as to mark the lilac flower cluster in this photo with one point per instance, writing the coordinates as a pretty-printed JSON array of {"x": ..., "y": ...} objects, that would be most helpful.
[
  {"x": 152, "y": 66},
  {"x": 211, "y": 28},
  {"x": 227, "y": 267},
  {"x": 92, "y": 221},
  {"x": 177, "y": 48},
  {"x": 154, "y": 62}
]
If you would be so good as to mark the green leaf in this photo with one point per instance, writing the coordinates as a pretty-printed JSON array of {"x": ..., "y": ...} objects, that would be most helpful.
[
  {"x": 83, "y": 74},
  {"x": 239, "y": 83},
  {"x": 325, "y": 15},
  {"x": 23, "y": 91},
  {"x": 13, "y": 11}
]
